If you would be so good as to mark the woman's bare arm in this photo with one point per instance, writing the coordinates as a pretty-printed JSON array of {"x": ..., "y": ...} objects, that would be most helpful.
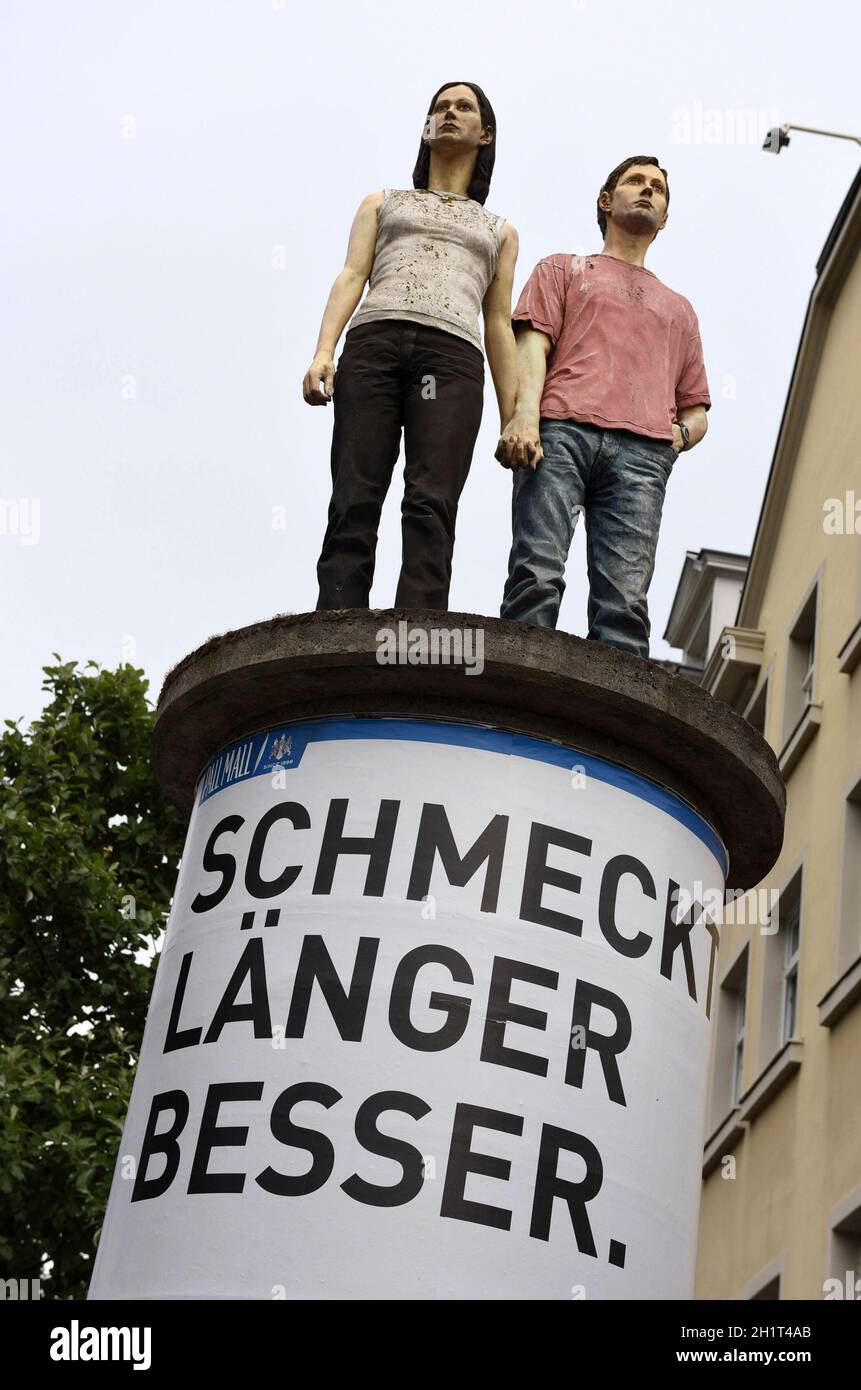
[
  {"x": 498, "y": 335},
  {"x": 343, "y": 298}
]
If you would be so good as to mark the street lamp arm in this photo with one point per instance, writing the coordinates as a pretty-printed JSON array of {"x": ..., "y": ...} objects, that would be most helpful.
[{"x": 812, "y": 130}]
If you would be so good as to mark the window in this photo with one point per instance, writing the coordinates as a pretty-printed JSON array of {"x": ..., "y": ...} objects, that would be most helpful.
[
  {"x": 767, "y": 1284},
  {"x": 807, "y": 678},
  {"x": 791, "y": 930},
  {"x": 800, "y": 665},
  {"x": 697, "y": 650},
  {"x": 738, "y": 1058},
  {"x": 780, "y": 972},
  {"x": 755, "y": 712},
  {"x": 849, "y": 923},
  {"x": 730, "y": 1026},
  {"x": 844, "y": 1254},
  {"x": 850, "y": 653}
]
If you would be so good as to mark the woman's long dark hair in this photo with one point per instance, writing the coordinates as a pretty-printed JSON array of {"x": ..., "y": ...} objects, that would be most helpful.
[{"x": 480, "y": 184}]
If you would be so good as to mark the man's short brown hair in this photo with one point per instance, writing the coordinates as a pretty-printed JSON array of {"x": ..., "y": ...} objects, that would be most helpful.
[{"x": 613, "y": 178}]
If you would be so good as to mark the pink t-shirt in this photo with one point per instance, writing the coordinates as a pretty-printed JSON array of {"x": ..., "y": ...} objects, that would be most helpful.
[{"x": 626, "y": 351}]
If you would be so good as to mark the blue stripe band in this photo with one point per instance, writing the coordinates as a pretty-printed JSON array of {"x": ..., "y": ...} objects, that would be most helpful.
[{"x": 262, "y": 754}]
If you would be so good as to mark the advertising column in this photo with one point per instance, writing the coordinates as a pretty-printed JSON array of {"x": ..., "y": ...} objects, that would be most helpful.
[{"x": 431, "y": 1020}]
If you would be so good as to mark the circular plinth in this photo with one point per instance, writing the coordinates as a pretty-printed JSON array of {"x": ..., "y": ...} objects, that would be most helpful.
[
  {"x": 511, "y": 676},
  {"x": 433, "y": 1010}
]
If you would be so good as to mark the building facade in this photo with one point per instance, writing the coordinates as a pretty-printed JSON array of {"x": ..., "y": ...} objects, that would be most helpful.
[{"x": 778, "y": 637}]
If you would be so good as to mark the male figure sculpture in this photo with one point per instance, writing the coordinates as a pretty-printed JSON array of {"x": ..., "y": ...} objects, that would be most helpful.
[{"x": 612, "y": 387}]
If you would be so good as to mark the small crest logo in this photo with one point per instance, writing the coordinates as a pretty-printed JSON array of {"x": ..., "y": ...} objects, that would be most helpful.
[{"x": 282, "y": 747}]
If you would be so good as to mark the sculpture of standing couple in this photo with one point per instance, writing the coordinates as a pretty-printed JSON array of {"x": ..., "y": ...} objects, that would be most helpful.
[{"x": 601, "y": 389}]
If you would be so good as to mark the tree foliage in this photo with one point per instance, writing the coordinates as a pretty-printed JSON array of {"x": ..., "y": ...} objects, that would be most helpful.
[{"x": 89, "y": 849}]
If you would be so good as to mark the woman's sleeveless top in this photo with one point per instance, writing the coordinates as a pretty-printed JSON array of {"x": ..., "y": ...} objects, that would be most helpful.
[{"x": 435, "y": 257}]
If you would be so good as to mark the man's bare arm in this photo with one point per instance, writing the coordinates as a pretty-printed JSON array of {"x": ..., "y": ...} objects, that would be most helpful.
[
  {"x": 694, "y": 417},
  {"x": 343, "y": 298},
  {"x": 520, "y": 443}
]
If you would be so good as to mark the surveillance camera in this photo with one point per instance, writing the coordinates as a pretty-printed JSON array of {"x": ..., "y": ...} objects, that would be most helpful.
[{"x": 775, "y": 140}]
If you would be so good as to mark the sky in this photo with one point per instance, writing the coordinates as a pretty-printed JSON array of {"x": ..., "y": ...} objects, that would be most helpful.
[{"x": 178, "y": 186}]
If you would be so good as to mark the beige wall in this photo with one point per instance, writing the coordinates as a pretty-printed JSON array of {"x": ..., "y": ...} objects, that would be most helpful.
[{"x": 802, "y": 1154}]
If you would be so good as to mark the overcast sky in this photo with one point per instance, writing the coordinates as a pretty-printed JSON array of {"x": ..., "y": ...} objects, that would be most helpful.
[{"x": 178, "y": 181}]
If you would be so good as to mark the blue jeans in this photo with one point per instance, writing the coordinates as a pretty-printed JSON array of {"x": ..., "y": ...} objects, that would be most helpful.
[{"x": 618, "y": 480}]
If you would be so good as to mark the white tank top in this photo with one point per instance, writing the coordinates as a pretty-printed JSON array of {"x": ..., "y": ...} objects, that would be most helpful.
[{"x": 435, "y": 257}]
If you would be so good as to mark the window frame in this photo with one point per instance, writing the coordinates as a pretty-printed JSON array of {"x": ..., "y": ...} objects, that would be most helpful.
[
  {"x": 847, "y": 939},
  {"x": 771, "y": 994},
  {"x": 801, "y": 653},
  {"x": 789, "y": 977},
  {"x": 738, "y": 1041},
  {"x": 761, "y": 695}
]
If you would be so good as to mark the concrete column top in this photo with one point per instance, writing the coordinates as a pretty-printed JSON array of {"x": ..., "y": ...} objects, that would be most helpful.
[{"x": 534, "y": 681}]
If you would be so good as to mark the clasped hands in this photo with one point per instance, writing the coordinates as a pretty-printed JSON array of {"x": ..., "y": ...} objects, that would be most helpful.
[{"x": 520, "y": 443}]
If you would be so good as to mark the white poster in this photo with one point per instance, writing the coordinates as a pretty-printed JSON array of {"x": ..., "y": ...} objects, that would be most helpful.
[{"x": 425, "y": 1025}]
